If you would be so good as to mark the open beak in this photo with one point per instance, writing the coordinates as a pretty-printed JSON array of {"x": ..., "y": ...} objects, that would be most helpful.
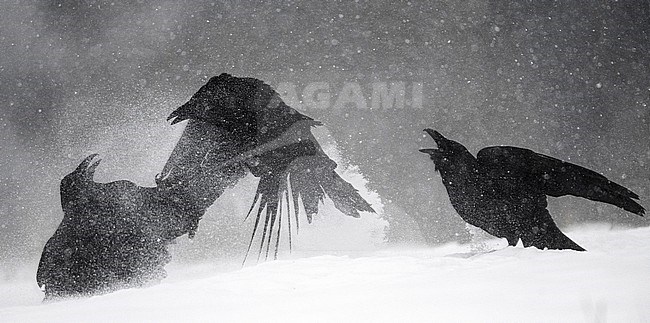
[
  {"x": 175, "y": 116},
  {"x": 178, "y": 114},
  {"x": 437, "y": 137},
  {"x": 84, "y": 164},
  {"x": 429, "y": 151},
  {"x": 87, "y": 167}
]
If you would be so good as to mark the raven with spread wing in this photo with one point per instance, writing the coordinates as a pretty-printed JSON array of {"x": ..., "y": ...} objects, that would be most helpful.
[
  {"x": 273, "y": 141},
  {"x": 503, "y": 190}
]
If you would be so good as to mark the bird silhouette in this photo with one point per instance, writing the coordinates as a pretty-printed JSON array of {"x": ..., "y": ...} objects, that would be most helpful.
[
  {"x": 274, "y": 142},
  {"x": 113, "y": 235},
  {"x": 504, "y": 189}
]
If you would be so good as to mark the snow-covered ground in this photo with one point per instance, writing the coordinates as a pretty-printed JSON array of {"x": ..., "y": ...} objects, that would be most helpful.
[{"x": 609, "y": 282}]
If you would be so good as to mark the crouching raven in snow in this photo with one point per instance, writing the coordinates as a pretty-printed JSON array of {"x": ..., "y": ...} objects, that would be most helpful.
[
  {"x": 503, "y": 190},
  {"x": 113, "y": 235}
]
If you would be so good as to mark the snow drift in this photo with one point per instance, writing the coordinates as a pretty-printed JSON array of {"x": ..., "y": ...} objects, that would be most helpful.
[{"x": 483, "y": 281}]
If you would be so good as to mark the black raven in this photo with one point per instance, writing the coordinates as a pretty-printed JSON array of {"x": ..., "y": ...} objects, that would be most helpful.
[
  {"x": 503, "y": 190},
  {"x": 275, "y": 143},
  {"x": 113, "y": 235}
]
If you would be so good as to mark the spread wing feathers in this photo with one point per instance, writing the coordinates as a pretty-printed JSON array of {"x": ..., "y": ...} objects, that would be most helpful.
[
  {"x": 303, "y": 177},
  {"x": 313, "y": 177},
  {"x": 555, "y": 177},
  {"x": 268, "y": 194}
]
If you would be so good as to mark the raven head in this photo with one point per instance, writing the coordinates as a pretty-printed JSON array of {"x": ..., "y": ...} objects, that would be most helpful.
[
  {"x": 84, "y": 172},
  {"x": 224, "y": 101},
  {"x": 76, "y": 182},
  {"x": 448, "y": 154},
  {"x": 211, "y": 99}
]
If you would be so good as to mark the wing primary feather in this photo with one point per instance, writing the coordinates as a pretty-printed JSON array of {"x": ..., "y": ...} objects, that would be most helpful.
[
  {"x": 257, "y": 221},
  {"x": 277, "y": 239},
  {"x": 257, "y": 195},
  {"x": 263, "y": 202},
  {"x": 271, "y": 213},
  {"x": 296, "y": 199},
  {"x": 286, "y": 195}
]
